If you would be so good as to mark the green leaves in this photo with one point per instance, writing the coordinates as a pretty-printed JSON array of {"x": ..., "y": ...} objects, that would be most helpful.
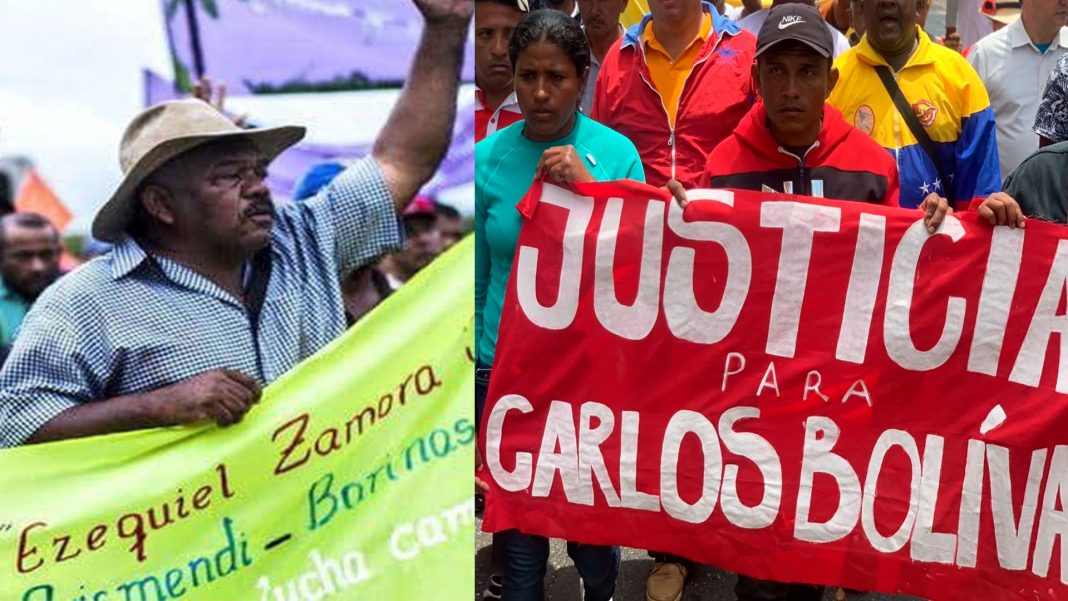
[{"x": 182, "y": 79}]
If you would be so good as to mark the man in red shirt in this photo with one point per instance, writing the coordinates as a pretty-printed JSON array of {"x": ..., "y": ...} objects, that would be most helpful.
[
  {"x": 793, "y": 141},
  {"x": 495, "y": 103},
  {"x": 676, "y": 84}
]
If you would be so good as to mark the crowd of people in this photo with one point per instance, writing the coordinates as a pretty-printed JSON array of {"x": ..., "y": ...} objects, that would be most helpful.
[{"x": 852, "y": 100}]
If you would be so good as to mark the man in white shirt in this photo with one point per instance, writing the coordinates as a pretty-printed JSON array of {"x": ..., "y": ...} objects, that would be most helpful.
[
  {"x": 753, "y": 21},
  {"x": 1014, "y": 63}
]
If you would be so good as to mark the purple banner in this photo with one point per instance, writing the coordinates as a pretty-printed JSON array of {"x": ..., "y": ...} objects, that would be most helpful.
[
  {"x": 157, "y": 89},
  {"x": 457, "y": 169},
  {"x": 277, "y": 46}
]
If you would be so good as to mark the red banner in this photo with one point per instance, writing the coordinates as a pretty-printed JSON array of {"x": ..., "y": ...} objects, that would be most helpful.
[{"x": 792, "y": 388}]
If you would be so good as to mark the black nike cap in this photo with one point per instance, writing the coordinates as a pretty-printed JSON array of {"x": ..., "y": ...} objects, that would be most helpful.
[{"x": 795, "y": 21}]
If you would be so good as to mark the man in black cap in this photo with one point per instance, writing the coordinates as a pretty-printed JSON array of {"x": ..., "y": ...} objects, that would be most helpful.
[{"x": 793, "y": 141}]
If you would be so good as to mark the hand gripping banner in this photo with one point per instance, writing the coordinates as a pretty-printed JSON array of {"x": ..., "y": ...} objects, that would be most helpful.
[
  {"x": 350, "y": 480},
  {"x": 791, "y": 388}
]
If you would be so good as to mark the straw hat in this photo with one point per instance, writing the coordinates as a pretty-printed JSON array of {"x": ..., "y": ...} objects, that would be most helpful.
[
  {"x": 165, "y": 131},
  {"x": 1002, "y": 12}
]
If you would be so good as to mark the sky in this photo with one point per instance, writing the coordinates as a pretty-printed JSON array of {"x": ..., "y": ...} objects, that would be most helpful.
[{"x": 70, "y": 80}]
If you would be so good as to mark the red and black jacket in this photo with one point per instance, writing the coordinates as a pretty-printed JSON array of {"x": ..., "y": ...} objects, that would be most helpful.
[{"x": 843, "y": 164}]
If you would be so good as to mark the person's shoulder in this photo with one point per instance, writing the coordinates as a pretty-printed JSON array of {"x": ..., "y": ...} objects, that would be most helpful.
[
  {"x": 1042, "y": 170},
  {"x": 951, "y": 71},
  {"x": 745, "y": 41},
  {"x": 949, "y": 63},
  {"x": 989, "y": 42},
  {"x": 740, "y": 148},
  {"x": 725, "y": 156},
  {"x": 493, "y": 147},
  {"x": 94, "y": 272},
  {"x": 856, "y": 79},
  {"x": 738, "y": 39},
  {"x": 601, "y": 137},
  {"x": 91, "y": 283},
  {"x": 595, "y": 129},
  {"x": 848, "y": 62},
  {"x": 1054, "y": 155},
  {"x": 960, "y": 79},
  {"x": 623, "y": 49}
]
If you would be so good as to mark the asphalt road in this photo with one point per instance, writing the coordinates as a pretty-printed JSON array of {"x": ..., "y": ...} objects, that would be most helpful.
[{"x": 562, "y": 581}]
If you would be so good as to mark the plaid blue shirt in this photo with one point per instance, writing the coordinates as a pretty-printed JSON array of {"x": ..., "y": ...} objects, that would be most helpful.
[{"x": 125, "y": 323}]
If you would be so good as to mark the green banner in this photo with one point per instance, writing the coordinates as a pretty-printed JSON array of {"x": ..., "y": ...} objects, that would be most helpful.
[{"x": 352, "y": 479}]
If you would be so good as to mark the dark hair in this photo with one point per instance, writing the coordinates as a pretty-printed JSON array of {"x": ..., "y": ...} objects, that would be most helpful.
[
  {"x": 446, "y": 211},
  {"x": 24, "y": 219},
  {"x": 509, "y": 3},
  {"x": 27, "y": 219},
  {"x": 555, "y": 27}
]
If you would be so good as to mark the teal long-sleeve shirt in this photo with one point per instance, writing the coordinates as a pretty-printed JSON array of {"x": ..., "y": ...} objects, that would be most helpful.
[{"x": 504, "y": 171}]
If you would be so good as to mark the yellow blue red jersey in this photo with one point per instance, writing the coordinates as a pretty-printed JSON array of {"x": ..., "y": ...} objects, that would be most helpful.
[{"x": 950, "y": 102}]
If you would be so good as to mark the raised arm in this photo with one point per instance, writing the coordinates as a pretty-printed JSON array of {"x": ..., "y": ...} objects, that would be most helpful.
[{"x": 417, "y": 134}]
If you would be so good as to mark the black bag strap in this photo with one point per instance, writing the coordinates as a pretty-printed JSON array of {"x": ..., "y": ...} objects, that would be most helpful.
[
  {"x": 915, "y": 126},
  {"x": 257, "y": 288}
]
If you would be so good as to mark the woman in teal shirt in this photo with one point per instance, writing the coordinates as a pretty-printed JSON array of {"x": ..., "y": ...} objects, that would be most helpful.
[{"x": 550, "y": 57}]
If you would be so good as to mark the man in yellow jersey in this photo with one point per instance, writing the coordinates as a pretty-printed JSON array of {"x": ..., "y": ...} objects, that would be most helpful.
[{"x": 943, "y": 137}]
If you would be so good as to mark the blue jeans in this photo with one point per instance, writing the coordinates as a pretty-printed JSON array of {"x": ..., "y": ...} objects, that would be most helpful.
[
  {"x": 527, "y": 555},
  {"x": 482, "y": 379}
]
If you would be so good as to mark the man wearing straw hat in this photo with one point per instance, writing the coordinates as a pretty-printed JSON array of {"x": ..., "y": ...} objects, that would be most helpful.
[{"x": 210, "y": 291}]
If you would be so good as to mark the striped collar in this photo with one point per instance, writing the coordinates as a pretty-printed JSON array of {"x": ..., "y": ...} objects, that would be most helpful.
[{"x": 128, "y": 255}]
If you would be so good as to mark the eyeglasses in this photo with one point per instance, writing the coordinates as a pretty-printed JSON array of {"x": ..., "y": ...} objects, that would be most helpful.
[{"x": 232, "y": 176}]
